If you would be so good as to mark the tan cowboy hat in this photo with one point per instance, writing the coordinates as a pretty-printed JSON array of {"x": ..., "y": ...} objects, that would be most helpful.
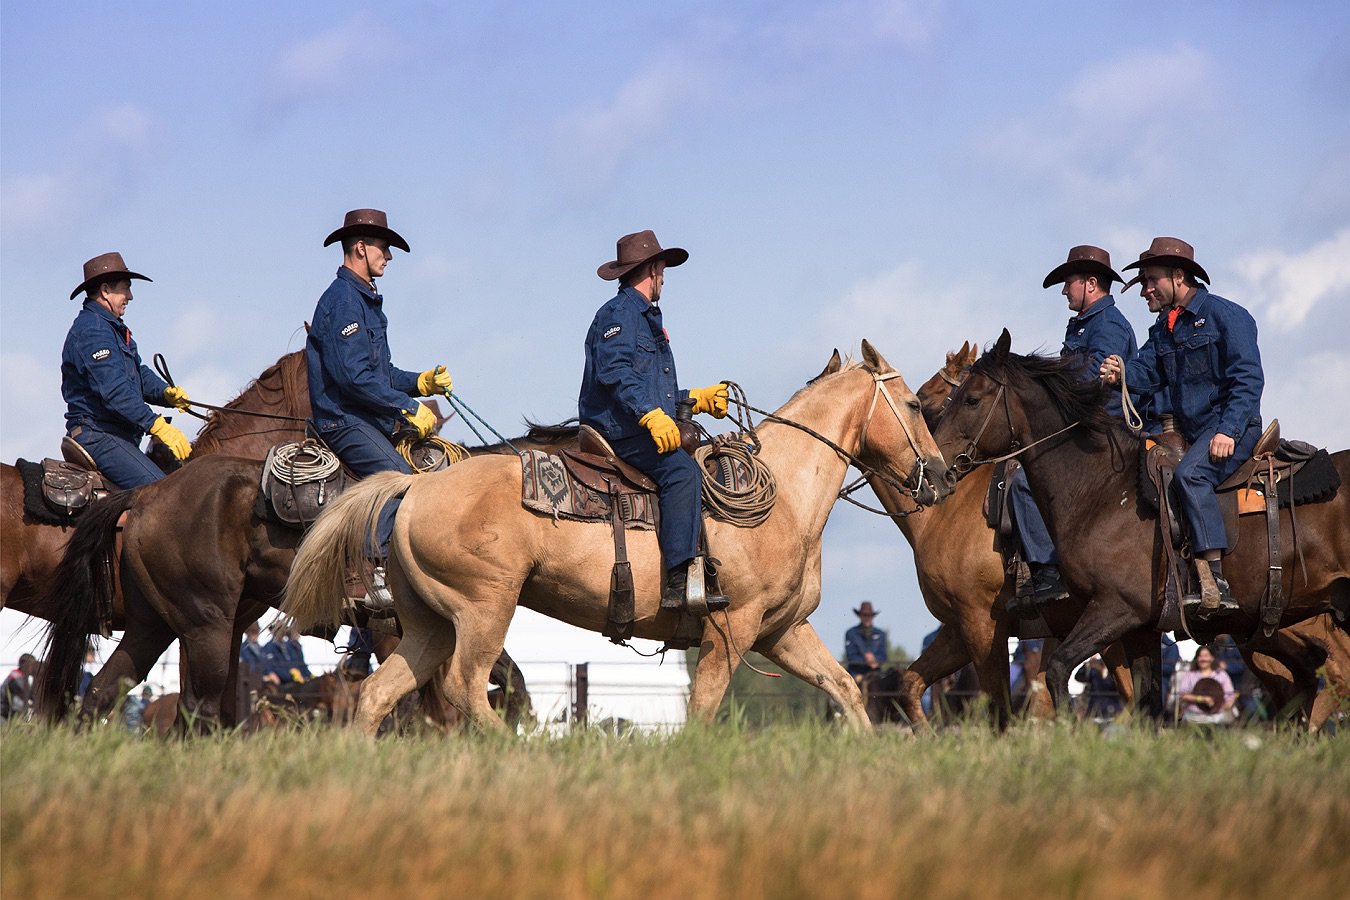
[
  {"x": 1171, "y": 252},
  {"x": 635, "y": 249},
  {"x": 105, "y": 267},
  {"x": 1084, "y": 259},
  {"x": 865, "y": 610},
  {"x": 368, "y": 223}
]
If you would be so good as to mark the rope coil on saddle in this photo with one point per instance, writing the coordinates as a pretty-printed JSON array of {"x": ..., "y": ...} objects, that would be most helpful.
[
  {"x": 744, "y": 508},
  {"x": 441, "y": 452},
  {"x": 303, "y": 462}
]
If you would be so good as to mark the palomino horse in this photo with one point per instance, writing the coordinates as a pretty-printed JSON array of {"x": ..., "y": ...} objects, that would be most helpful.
[
  {"x": 1082, "y": 467},
  {"x": 32, "y": 549},
  {"x": 465, "y": 553}
]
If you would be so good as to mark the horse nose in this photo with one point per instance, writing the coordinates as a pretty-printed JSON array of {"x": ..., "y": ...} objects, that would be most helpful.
[{"x": 949, "y": 478}]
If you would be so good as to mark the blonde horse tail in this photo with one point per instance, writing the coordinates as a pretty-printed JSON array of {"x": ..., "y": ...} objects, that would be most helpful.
[{"x": 336, "y": 547}]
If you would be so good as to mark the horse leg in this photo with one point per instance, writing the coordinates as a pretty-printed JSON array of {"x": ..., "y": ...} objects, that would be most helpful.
[
  {"x": 1106, "y": 619},
  {"x": 146, "y": 637},
  {"x": 719, "y": 655},
  {"x": 942, "y": 657},
  {"x": 1143, "y": 649},
  {"x": 800, "y": 651},
  {"x": 1040, "y": 707},
  {"x": 988, "y": 650},
  {"x": 206, "y": 669}
]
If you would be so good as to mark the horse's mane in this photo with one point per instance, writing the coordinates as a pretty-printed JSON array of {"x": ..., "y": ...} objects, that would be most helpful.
[
  {"x": 281, "y": 388},
  {"x": 1078, "y": 399}
]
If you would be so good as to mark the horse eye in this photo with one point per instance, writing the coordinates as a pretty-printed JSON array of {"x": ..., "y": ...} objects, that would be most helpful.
[
  {"x": 972, "y": 401},
  {"x": 915, "y": 406}
]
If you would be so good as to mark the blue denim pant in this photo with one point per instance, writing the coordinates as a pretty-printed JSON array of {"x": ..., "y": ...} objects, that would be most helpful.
[
  {"x": 1196, "y": 477},
  {"x": 364, "y": 450},
  {"x": 681, "y": 486},
  {"x": 121, "y": 461},
  {"x": 1037, "y": 547}
]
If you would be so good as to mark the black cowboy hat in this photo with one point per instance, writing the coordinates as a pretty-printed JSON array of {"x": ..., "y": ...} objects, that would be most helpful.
[
  {"x": 1171, "y": 253},
  {"x": 635, "y": 249},
  {"x": 368, "y": 223},
  {"x": 105, "y": 267},
  {"x": 865, "y": 609},
  {"x": 1084, "y": 259}
]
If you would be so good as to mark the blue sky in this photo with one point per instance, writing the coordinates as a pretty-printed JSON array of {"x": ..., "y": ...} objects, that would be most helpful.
[{"x": 901, "y": 171}]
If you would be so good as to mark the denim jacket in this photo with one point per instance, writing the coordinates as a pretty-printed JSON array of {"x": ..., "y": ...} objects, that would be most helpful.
[
  {"x": 103, "y": 381},
  {"x": 347, "y": 355},
  {"x": 1208, "y": 365},
  {"x": 1098, "y": 332},
  {"x": 630, "y": 369}
]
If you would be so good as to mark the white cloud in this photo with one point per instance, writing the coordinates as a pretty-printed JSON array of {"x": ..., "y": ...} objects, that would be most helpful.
[
  {"x": 1288, "y": 286},
  {"x": 856, "y": 25},
  {"x": 326, "y": 65},
  {"x": 104, "y": 164}
]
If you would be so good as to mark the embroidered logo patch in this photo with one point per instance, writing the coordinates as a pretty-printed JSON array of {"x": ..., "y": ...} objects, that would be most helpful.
[
  {"x": 1199, "y": 322},
  {"x": 611, "y": 331},
  {"x": 351, "y": 329},
  {"x": 101, "y": 354}
]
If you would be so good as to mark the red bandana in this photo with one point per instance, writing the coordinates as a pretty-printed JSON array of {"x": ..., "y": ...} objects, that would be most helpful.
[{"x": 1172, "y": 317}]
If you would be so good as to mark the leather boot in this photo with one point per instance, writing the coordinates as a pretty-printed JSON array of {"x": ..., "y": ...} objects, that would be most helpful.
[
  {"x": 1216, "y": 598},
  {"x": 676, "y": 594},
  {"x": 1047, "y": 584}
]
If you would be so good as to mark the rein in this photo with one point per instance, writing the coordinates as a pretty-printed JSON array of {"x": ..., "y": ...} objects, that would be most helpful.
[
  {"x": 162, "y": 370},
  {"x": 965, "y": 460},
  {"x": 737, "y": 397}
]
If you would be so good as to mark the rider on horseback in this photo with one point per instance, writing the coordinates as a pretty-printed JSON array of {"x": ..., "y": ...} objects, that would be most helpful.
[
  {"x": 106, "y": 386},
  {"x": 1202, "y": 354},
  {"x": 360, "y": 399},
  {"x": 1097, "y": 330},
  {"x": 629, "y": 393}
]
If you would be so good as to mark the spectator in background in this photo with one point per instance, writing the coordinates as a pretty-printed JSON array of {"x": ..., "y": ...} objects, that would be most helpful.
[
  {"x": 1022, "y": 672},
  {"x": 253, "y": 656},
  {"x": 1101, "y": 699},
  {"x": 87, "y": 676},
  {"x": 133, "y": 708},
  {"x": 1171, "y": 659},
  {"x": 864, "y": 643},
  {"x": 1204, "y": 693},
  {"x": 286, "y": 658},
  {"x": 16, "y": 695},
  {"x": 1229, "y": 658}
]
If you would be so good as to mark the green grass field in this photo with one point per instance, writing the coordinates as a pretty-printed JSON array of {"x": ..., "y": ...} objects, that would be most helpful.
[{"x": 791, "y": 811}]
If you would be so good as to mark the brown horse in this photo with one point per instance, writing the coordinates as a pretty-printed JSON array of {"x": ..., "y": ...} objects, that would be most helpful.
[
  {"x": 32, "y": 549},
  {"x": 465, "y": 553},
  {"x": 1288, "y": 664},
  {"x": 961, "y": 577},
  {"x": 1082, "y": 467}
]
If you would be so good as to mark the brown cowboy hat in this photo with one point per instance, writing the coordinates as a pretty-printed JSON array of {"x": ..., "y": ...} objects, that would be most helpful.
[
  {"x": 1210, "y": 692},
  {"x": 1143, "y": 255},
  {"x": 105, "y": 267},
  {"x": 1171, "y": 253},
  {"x": 368, "y": 223},
  {"x": 635, "y": 249},
  {"x": 865, "y": 610},
  {"x": 1084, "y": 259}
]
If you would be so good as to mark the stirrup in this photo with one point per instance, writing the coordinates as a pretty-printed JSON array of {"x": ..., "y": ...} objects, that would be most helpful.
[{"x": 378, "y": 601}]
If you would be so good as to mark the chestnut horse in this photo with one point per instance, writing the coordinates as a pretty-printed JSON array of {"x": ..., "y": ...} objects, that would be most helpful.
[
  {"x": 1288, "y": 664},
  {"x": 465, "y": 553},
  {"x": 1082, "y": 466}
]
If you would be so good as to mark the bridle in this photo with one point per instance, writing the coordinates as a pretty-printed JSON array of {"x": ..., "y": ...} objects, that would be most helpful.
[{"x": 965, "y": 461}]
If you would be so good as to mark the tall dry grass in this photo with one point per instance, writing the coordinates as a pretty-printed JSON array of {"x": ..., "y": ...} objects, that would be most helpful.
[{"x": 783, "y": 812}]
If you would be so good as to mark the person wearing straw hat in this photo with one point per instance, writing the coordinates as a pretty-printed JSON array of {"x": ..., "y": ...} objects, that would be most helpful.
[
  {"x": 359, "y": 398},
  {"x": 1097, "y": 330},
  {"x": 864, "y": 643},
  {"x": 1202, "y": 355},
  {"x": 629, "y": 392},
  {"x": 107, "y": 388}
]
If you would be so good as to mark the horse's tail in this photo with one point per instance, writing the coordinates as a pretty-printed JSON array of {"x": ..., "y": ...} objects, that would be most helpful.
[
  {"x": 81, "y": 583},
  {"x": 335, "y": 546}
]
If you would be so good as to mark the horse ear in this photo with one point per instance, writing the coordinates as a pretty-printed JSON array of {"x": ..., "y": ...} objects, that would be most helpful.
[
  {"x": 872, "y": 359},
  {"x": 834, "y": 365},
  {"x": 1002, "y": 346},
  {"x": 973, "y": 354}
]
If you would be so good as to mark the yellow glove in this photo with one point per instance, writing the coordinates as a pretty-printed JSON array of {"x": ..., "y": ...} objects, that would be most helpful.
[
  {"x": 171, "y": 437},
  {"x": 297, "y": 677},
  {"x": 434, "y": 381},
  {"x": 176, "y": 396},
  {"x": 711, "y": 399},
  {"x": 663, "y": 428},
  {"x": 422, "y": 418}
]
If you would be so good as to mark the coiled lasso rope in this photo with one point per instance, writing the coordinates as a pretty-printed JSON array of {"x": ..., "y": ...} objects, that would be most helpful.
[
  {"x": 453, "y": 452},
  {"x": 303, "y": 462},
  {"x": 743, "y": 508}
]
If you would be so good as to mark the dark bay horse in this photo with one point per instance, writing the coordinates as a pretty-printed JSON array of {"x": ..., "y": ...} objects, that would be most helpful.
[{"x": 1082, "y": 467}]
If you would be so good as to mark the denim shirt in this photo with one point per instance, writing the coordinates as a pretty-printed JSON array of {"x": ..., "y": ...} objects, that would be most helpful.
[
  {"x": 856, "y": 643},
  {"x": 351, "y": 375},
  {"x": 1208, "y": 365},
  {"x": 1096, "y": 333},
  {"x": 630, "y": 369},
  {"x": 103, "y": 381}
]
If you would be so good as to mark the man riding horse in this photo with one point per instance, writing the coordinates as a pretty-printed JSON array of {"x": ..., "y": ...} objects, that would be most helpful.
[
  {"x": 1097, "y": 330},
  {"x": 1202, "y": 355},
  {"x": 629, "y": 394},
  {"x": 359, "y": 398},
  {"x": 107, "y": 388}
]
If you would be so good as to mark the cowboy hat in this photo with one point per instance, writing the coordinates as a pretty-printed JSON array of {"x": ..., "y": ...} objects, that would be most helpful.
[
  {"x": 368, "y": 223},
  {"x": 1084, "y": 259},
  {"x": 1171, "y": 253},
  {"x": 865, "y": 609},
  {"x": 635, "y": 249},
  {"x": 105, "y": 267},
  {"x": 1139, "y": 276}
]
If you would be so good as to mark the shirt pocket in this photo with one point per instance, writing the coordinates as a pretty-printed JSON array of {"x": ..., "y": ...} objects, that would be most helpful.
[
  {"x": 644, "y": 357},
  {"x": 1198, "y": 355}
]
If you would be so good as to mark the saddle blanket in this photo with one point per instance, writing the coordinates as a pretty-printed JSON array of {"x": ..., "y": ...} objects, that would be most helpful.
[{"x": 547, "y": 487}]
